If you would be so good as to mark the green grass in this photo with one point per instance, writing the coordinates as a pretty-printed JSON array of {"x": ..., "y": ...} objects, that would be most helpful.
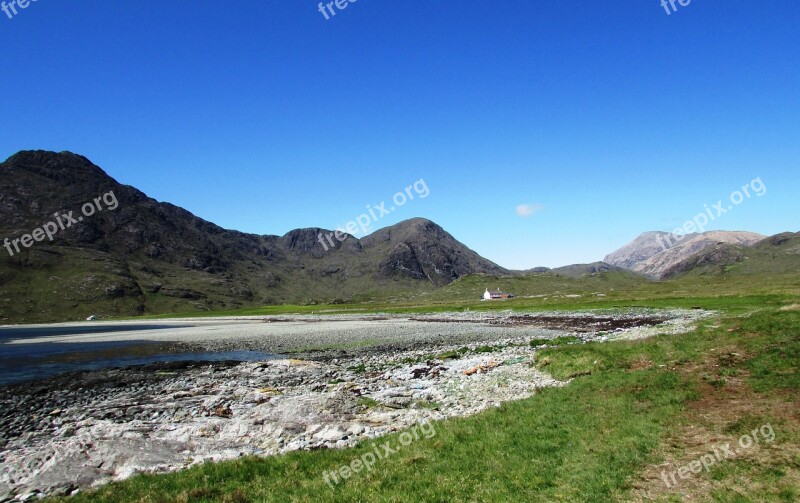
[
  {"x": 732, "y": 297},
  {"x": 452, "y": 355},
  {"x": 367, "y": 402},
  {"x": 558, "y": 341},
  {"x": 81, "y": 279},
  {"x": 588, "y": 441},
  {"x": 358, "y": 369}
]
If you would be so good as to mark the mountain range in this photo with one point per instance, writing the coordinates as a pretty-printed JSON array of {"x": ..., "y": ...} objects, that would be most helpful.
[
  {"x": 123, "y": 253},
  {"x": 148, "y": 256}
]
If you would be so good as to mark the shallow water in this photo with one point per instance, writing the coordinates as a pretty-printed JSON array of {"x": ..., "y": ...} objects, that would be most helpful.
[{"x": 22, "y": 362}]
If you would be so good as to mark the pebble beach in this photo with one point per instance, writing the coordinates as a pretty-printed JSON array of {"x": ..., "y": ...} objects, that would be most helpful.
[{"x": 330, "y": 382}]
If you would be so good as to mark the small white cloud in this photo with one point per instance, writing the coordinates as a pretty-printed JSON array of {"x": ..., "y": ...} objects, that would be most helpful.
[{"x": 526, "y": 210}]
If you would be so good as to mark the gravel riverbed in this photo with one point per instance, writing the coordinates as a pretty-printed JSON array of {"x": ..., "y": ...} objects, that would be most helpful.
[{"x": 337, "y": 380}]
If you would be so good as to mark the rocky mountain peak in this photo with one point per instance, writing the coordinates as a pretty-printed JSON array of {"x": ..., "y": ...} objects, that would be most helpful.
[
  {"x": 63, "y": 167},
  {"x": 657, "y": 254}
]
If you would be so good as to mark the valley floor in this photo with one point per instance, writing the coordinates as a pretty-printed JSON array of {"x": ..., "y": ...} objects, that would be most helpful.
[
  {"x": 365, "y": 377},
  {"x": 608, "y": 405}
]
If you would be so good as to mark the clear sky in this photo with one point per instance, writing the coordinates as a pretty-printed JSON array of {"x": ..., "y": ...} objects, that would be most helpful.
[{"x": 546, "y": 132}]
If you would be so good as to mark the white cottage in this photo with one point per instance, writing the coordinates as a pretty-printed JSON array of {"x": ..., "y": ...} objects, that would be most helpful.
[{"x": 496, "y": 294}]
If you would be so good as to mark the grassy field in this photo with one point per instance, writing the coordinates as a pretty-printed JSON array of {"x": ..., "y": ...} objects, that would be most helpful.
[
  {"x": 634, "y": 413},
  {"x": 548, "y": 291}
]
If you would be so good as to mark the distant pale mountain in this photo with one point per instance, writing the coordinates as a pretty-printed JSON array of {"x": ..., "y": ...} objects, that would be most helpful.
[
  {"x": 659, "y": 254},
  {"x": 775, "y": 255},
  {"x": 646, "y": 245},
  {"x": 145, "y": 256}
]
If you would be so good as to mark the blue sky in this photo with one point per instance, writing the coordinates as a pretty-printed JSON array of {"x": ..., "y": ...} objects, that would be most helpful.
[{"x": 608, "y": 118}]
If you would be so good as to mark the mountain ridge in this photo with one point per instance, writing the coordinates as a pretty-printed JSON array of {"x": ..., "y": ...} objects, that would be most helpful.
[
  {"x": 146, "y": 256},
  {"x": 658, "y": 255}
]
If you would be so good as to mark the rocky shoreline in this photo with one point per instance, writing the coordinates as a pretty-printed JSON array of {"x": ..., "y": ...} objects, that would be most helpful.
[{"x": 85, "y": 429}]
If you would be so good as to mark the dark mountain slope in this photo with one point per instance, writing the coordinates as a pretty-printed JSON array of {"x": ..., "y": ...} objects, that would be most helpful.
[
  {"x": 139, "y": 255},
  {"x": 424, "y": 250}
]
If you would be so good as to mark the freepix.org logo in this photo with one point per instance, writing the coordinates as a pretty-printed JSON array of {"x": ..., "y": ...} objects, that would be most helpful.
[
  {"x": 10, "y": 8},
  {"x": 667, "y": 4},
  {"x": 327, "y": 8},
  {"x": 63, "y": 221},
  {"x": 424, "y": 429},
  {"x": 719, "y": 453},
  {"x": 376, "y": 212}
]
